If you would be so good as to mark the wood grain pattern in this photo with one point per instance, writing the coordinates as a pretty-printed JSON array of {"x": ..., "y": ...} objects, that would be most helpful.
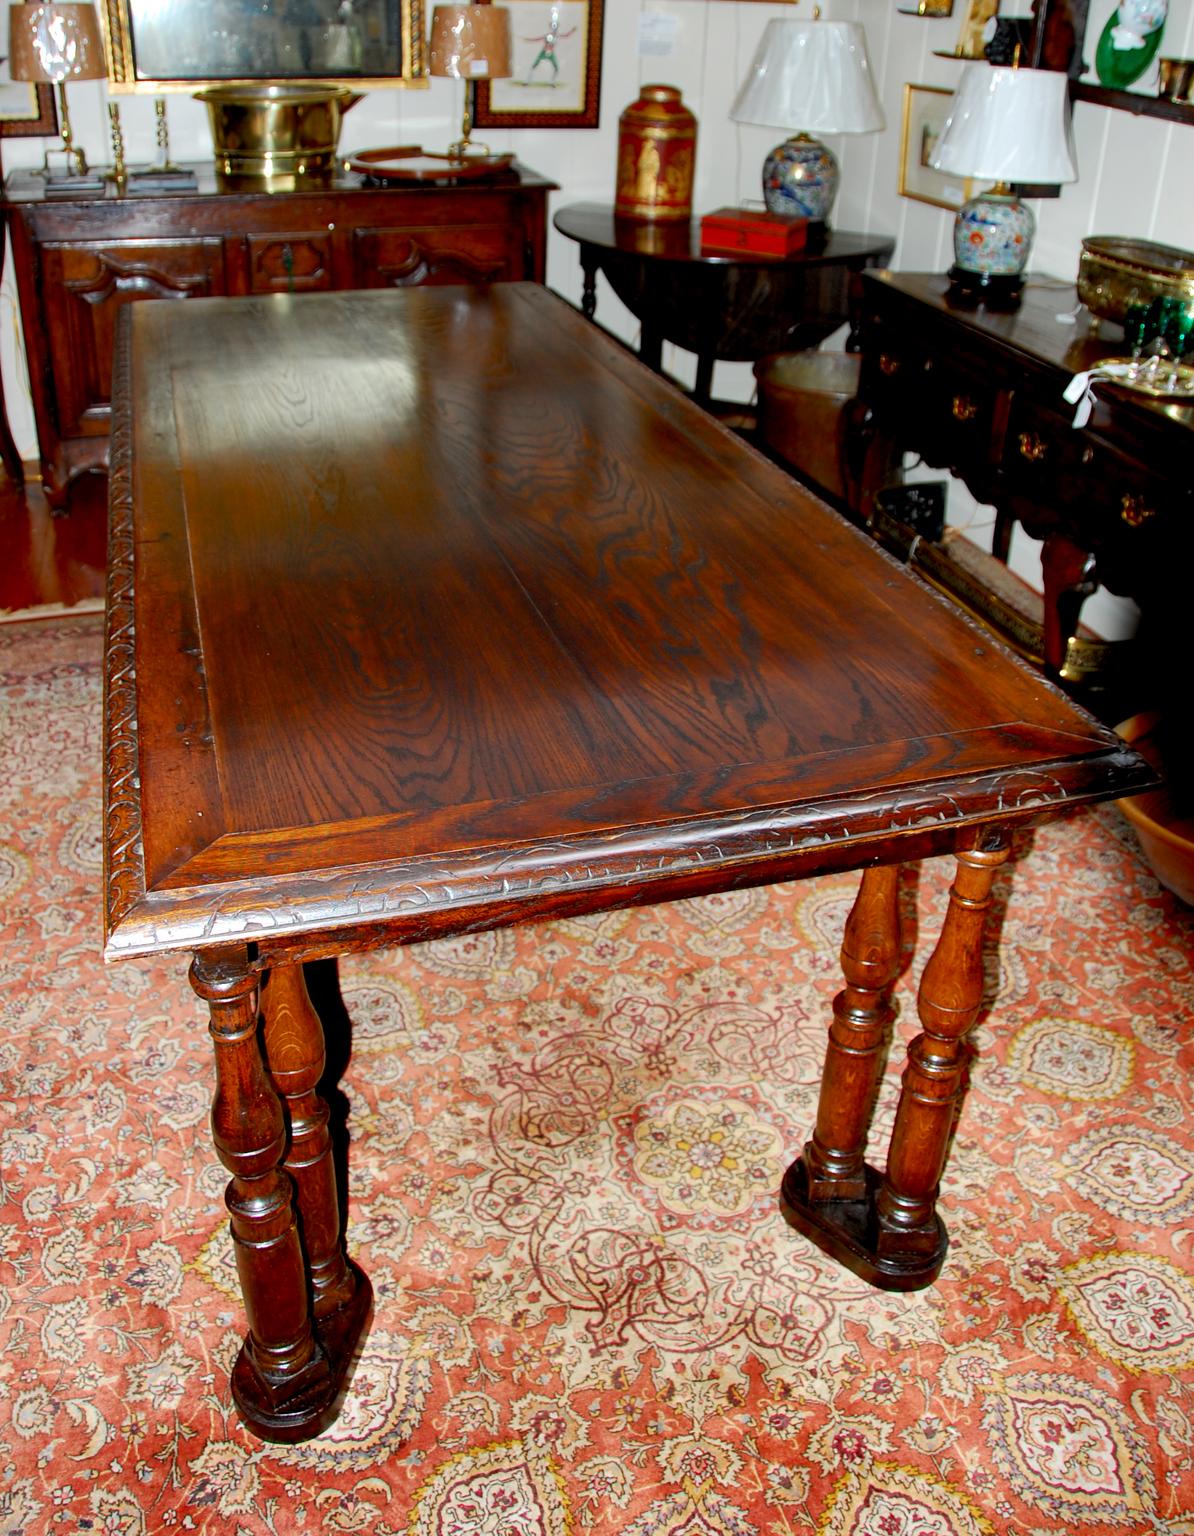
[{"x": 458, "y": 615}]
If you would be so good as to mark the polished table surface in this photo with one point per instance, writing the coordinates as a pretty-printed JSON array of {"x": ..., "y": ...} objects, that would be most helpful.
[
  {"x": 434, "y": 610},
  {"x": 733, "y": 306}
]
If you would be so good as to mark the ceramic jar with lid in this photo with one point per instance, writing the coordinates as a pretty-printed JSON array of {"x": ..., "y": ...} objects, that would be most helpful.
[{"x": 656, "y": 155}]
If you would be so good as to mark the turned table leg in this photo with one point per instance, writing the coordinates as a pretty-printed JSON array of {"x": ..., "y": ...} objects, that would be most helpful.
[
  {"x": 833, "y": 1166},
  {"x": 288, "y": 1375},
  {"x": 909, "y": 1232},
  {"x": 294, "y": 1053},
  {"x": 887, "y": 1230}
]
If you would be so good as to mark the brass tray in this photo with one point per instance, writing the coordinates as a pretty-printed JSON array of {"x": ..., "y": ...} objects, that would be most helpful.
[{"x": 1167, "y": 381}]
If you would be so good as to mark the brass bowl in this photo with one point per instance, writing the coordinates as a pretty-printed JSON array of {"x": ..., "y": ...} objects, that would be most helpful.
[
  {"x": 1115, "y": 273},
  {"x": 276, "y": 136}
]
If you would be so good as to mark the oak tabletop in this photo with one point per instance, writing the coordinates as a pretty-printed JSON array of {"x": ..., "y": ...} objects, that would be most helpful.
[{"x": 432, "y": 609}]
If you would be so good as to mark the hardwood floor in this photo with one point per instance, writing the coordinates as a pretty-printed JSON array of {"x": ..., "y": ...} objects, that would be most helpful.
[{"x": 47, "y": 560}]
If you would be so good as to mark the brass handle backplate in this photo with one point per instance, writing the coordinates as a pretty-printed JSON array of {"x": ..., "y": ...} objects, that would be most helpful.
[
  {"x": 1032, "y": 447},
  {"x": 888, "y": 364},
  {"x": 964, "y": 408},
  {"x": 1135, "y": 510}
]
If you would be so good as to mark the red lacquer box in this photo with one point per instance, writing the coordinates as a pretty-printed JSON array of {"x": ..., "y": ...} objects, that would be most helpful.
[{"x": 762, "y": 234}]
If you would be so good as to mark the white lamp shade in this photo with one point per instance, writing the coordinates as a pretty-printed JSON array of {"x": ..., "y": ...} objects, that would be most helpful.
[
  {"x": 1008, "y": 125},
  {"x": 811, "y": 75}
]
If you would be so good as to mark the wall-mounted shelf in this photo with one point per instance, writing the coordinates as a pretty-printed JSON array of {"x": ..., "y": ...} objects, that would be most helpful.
[
  {"x": 1132, "y": 101},
  {"x": 1073, "y": 14}
]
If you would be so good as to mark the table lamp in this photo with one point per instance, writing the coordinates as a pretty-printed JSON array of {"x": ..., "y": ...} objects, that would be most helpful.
[
  {"x": 1006, "y": 125},
  {"x": 807, "y": 75},
  {"x": 51, "y": 44},
  {"x": 469, "y": 43}
]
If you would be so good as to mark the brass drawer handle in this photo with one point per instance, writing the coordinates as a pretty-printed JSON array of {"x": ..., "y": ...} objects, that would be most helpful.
[
  {"x": 888, "y": 364},
  {"x": 1135, "y": 510},
  {"x": 964, "y": 408},
  {"x": 1032, "y": 447}
]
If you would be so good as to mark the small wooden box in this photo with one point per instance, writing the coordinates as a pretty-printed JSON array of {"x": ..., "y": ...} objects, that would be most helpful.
[{"x": 762, "y": 234}]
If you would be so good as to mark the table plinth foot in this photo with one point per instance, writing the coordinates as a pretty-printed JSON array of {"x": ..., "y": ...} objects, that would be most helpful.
[
  {"x": 303, "y": 1407},
  {"x": 850, "y": 1232}
]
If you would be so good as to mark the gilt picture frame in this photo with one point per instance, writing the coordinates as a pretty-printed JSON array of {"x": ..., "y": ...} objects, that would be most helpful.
[
  {"x": 926, "y": 108},
  {"x": 556, "y": 57}
]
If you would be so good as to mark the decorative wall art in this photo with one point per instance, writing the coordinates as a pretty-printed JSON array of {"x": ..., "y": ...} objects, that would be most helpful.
[
  {"x": 556, "y": 79},
  {"x": 926, "y": 108}
]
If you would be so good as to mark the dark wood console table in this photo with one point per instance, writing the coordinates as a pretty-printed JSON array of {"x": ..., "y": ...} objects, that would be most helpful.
[
  {"x": 980, "y": 393},
  {"x": 732, "y": 307},
  {"x": 509, "y": 629},
  {"x": 77, "y": 261}
]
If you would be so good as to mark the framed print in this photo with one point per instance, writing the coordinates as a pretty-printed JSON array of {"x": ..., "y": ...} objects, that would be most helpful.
[
  {"x": 556, "y": 63},
  {"x": 26, "y": 111},
  {"x": 925, "y": 109}
]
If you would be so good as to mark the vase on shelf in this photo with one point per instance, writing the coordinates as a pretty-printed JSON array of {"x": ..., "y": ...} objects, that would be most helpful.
[{"x": 1128, "y": 43}]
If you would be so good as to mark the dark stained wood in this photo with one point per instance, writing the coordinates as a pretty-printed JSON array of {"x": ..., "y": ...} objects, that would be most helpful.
[
  {"x": 980, "y": 392},
  {"x": 47, "y": 559},
  {"x": 435, "y": 610},
  {"x": 78, "y": 261},
  {"x": 951, "y": 990},
  {"x": 294, "y": 1054},
  {"x": 735, "y": 306},
  {"x": 862, "y": 1015}
]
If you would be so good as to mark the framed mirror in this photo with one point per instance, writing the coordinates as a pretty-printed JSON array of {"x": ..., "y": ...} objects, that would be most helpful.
[{"x": 154, "y": 45}]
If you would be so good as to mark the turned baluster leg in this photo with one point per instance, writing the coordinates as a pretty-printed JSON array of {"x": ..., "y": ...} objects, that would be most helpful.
[
  {"x": 294, "y": 1051},
  {"x": 862, "y": 1014},
  {"x": 951, "y": 988},
  {"x": 280, "y": 1358}
]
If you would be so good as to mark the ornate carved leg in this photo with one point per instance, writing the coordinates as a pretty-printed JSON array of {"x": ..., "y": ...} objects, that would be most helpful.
[
  {"x": 294, "y": 1052},
  {"x": 833, "y": 1168},
  {"x": 887, "y": 1231},
  {"x": 910, "y": 1237}
]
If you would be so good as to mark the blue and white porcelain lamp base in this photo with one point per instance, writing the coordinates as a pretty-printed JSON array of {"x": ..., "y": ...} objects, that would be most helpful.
[
  {"x": 992, "y": 240},
  {"x": 800, "y": 179}
]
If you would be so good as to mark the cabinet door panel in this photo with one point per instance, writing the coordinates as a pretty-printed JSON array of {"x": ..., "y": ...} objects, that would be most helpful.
[
  {"x": 84, "y": 288},
  {"x": 473, "y": 253}
]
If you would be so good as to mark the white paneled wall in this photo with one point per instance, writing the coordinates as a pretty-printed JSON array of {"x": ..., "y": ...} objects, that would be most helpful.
[{"x": 1134, "y": 173}]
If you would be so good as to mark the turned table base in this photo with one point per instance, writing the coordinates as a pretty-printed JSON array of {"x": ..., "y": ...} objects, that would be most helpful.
[{"x": 308, "y": 1305}]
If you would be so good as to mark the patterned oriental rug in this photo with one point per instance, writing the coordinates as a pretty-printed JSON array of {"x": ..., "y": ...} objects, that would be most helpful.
[{"x": 566, "y": 1145}]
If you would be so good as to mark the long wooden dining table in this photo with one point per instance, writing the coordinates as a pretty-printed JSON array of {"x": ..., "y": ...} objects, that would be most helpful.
[{"x": 434, "y": 610}]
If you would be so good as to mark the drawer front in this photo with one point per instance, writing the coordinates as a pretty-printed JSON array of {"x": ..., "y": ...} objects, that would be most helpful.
[
  {"x": 84, "y": 288},
  {"x": 290, "y": 263},
  {"x": 1059, "y": 477},
  {"x": 473, "y": 253},
  {"x": 936, "y": 405}
]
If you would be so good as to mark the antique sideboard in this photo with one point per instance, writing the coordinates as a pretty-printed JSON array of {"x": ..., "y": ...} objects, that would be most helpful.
[
  {"x": 78, "y": 260},
  {"x": 982, "y": 393}
]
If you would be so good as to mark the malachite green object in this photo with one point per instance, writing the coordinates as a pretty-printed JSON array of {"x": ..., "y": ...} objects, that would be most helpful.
[{"x": 1118, "y": 68}]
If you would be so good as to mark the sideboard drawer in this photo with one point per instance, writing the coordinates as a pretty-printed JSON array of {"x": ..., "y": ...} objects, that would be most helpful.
[
  {"x": 1059, "y": 477},
  {"x": 401, "y": 258},
  {"x": 945, "y": 411},
  {"x": 298, "y": 263}
]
